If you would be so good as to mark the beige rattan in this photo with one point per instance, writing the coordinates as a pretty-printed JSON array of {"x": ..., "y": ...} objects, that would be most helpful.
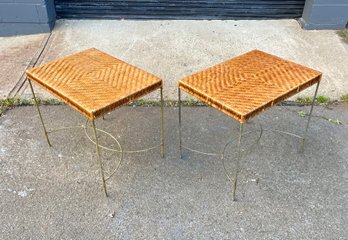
[
  {"x": 94, "y": 82},
  {"x": 248, "y": 84}
]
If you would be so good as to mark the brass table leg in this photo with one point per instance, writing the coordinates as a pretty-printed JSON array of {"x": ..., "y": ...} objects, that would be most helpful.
[
  {"x": 238, "y": 160},
  {"x": 101, "y": 165},
  {"x": 38, "y": 109},
  {"x": 309, "y": 118},
  {"x": 162, "y": 124},
  {"x": 179, "y": 104}
]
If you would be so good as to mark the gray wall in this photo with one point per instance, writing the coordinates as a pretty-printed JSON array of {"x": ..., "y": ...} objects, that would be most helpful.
[
  {"x": 26, "y": 16},
  {"x": 325, "y": 14}
]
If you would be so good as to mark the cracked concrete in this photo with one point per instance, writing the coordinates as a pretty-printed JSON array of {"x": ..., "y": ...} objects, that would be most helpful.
[
  {"x": 56, "y": 192},
  {"x": 15, "y": 55},
  {"x": 174, "y": 49}
]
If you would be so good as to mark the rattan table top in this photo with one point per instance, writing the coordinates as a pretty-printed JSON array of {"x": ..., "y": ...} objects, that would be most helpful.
[
  {"x": 248, "y": 84},
  {"x": 93, "y": 82}
]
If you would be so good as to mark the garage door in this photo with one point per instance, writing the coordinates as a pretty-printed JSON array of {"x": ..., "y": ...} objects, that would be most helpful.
[{"x": 176, "y": 9}]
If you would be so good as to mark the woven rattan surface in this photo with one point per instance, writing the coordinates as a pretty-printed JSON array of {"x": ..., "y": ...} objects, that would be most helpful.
[
  {"x": 93, "y": 82},
  {"x": 248, "y": 84}
]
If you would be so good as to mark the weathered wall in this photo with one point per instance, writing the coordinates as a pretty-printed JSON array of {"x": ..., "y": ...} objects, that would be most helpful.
[
  {"x": 26, "y": 16},
  {"x": 325, "y": 14}
]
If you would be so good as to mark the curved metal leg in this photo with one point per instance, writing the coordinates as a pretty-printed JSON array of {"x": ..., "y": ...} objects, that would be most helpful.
[
  {"x": 38, "y": 109},
  {"x": 238, "y": 161},
  {"x": 223, "y": 160},
  {"x": 162, "y": 124},
  {"x": 309, "y": 118},
  {"x": 101, "y": 165},
  {"x": 179, "y": 104}
]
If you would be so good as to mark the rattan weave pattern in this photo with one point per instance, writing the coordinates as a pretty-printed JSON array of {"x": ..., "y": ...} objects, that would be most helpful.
[
  {"x": 248, "y": 84},
  {"x": 93, "y": 82}
]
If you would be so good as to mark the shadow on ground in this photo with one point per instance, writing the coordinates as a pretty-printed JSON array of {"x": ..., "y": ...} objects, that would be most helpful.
[{"x": 56, "y": 192}]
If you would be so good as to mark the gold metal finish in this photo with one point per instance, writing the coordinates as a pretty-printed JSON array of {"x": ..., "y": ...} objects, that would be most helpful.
[
  {"x": 162, "y": 124},
  {"x": 238, "y": 161},
  {"x": 309, "y": 118},
  {"x": 222, "y": 155},
  {"x": 200, "y": 152},
  {"x": 101, "y": 165},
  {"x": 38, "y": 109},
  {"x": 85, "y": 127},
  {"x": 95, "y": 83},
  {"x": 120, "y": 148},
  {"x": 245, "y": 86},
  {"x": 179, "y": 103},
  {"x": 241, "y": 134},
  {"x": 109, "y": 149}
]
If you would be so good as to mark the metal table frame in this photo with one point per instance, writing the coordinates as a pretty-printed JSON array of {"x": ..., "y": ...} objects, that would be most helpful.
[
  {"x": 96, "y": 142},
  {"x": 241, "y": 132}
]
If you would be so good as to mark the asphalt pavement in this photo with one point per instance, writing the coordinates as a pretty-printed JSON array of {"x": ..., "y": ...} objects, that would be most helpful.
[{"x": 56, "y": 193}]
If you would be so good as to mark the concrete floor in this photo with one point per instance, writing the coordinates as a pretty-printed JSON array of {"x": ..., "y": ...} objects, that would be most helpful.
[
  {"x": 174, "y": 49},
  {"x": 55, "y": 193},
  {"x": 15, "y": 54}
]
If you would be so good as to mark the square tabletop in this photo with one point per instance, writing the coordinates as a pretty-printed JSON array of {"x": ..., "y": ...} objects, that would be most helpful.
[
  {"x": 93, "y": 82},
  {"x": 248, "y": 84}
]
